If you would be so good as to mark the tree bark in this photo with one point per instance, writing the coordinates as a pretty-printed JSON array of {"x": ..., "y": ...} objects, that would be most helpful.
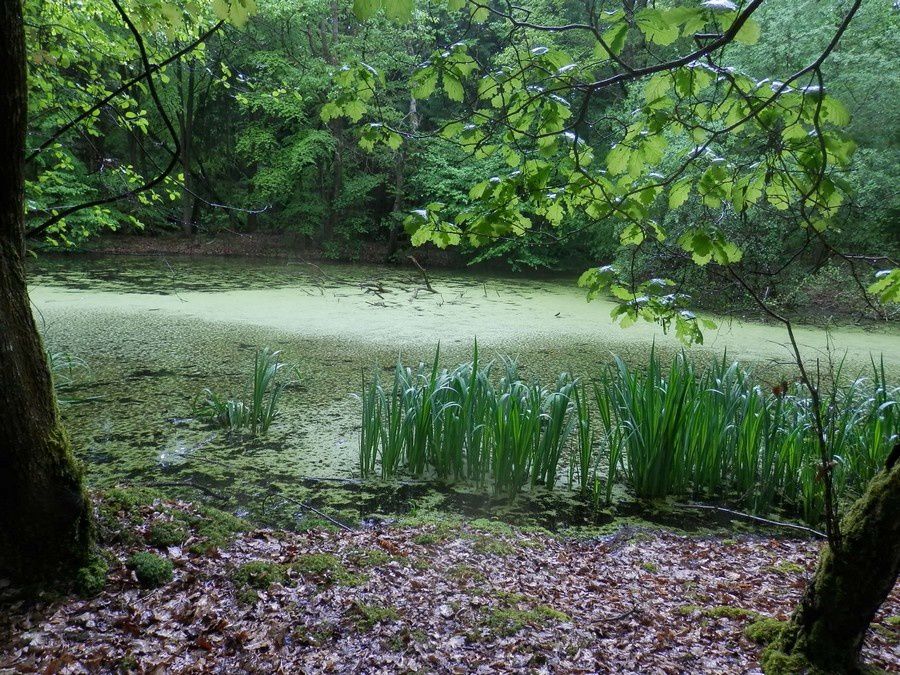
[
  {"x": 186, "y": 124},
  {"x": 828, "y": 627},
  {"x": 44, "y": 516}
]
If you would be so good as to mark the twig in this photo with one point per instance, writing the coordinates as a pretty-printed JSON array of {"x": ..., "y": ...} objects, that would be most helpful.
[
  {"x": 331, "y": 520},
  {"x": 424, "y": 274},
  {"x": 757, "y": 519}
]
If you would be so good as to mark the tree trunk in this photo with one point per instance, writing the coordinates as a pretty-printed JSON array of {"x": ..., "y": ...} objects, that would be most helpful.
[
  {"x": 44, "y": 515},
  {"x": 186, "y": 124},
  {"x": 399, "y": 178},
  {"x": 828, "y": 628}
]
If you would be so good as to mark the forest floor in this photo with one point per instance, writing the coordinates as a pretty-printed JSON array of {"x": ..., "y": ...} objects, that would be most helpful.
[{"x": 434, "y": 596}]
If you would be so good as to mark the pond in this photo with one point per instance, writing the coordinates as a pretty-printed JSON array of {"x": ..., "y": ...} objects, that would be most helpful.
[{"x": 155, "y": 331}]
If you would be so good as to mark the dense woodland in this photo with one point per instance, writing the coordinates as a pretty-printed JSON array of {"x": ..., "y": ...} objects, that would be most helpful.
[
  {"x": 266, "y": 146},
  {"x": 680, "y": 156}
]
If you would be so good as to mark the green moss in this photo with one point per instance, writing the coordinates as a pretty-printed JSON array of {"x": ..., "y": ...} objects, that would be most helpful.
[
  {"x": 507, "y": 621},
  {"x": 788, "y": 568},
  {"x": 166, "y": 534},
  {"x": 405, "y": 637},
  {"x": 129, "y": 499},
  {"x": 892, "y": 621},
  {"x": 493, "y": 546},
  {"x": 366, "y": 616},
  {"x": 215, "y": 528},
  {"x": 91, "y": 578},
  {"x": 493, "y": 526},
  {"x": 372, "y": 558},
  {"x": 466, "y": 574},
  {"x": 326, "y": 568},
  {"x": 151, "y": 570},
  {"x": 765, "y": 631},
  {"x": 775, "y": 662},
  {"x": 650, "y": 567},
  {"x": 259, "y": 574}
]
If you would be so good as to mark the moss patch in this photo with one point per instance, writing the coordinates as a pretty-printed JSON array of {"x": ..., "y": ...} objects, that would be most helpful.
[
  {"x": 788, "y": 568},
  {"x": 371, "y": 557},
  {"x": 514, "y": 613},
  {"x": 366, "y": 616},
  {"x": 466, "y": 574},
  {"x": 214, "y": 528},
  {"x": 259, "y": 574},
  {"x": 719, "y": 612},
  {"x": 493, "y": 546},
  {"x": 765, "y": 631},
  {"x": 507, "y": 621},
  {"x": 91, "y": 578},
  {"x": 164, "y": 534},
  {"x": 326, "y": 568},
  {"x": 151, "y": 570}
]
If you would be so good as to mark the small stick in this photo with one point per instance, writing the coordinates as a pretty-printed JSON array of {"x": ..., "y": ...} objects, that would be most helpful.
[
  {"x": 318, "y": 513},
  {"x": 424, "y": 274},
  {"x": 764, "y": 521}
]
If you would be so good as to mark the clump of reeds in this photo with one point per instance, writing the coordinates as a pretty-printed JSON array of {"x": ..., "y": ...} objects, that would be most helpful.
[
  {"x": 255, "y": 414},
  {"x": 465, "y": 424},
  {"x": 706, "y": 433}
]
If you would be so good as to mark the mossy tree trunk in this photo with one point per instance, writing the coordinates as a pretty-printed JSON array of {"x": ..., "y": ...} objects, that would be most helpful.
[
  {"x": 828, "y": 628},
  {"x": 44, "y": 515}
]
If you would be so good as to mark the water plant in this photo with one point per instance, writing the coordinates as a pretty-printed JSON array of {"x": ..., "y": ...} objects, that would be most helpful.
[
  {"x": 464, "y": 424},
  {"x": 705, "y": 431},
  {"x": 256, "y": 414}
]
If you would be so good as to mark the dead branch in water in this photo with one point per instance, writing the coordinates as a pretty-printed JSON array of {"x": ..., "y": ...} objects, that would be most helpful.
[{"x": 424, "y": 274}]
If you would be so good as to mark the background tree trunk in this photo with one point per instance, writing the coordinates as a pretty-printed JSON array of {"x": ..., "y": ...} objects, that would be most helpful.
[
  {"x": 828, "y": 628},
  {"x": 44, "y": 515}
]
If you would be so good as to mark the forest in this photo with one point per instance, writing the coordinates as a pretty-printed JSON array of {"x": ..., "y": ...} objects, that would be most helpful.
[{"x": 465, "y": 336}]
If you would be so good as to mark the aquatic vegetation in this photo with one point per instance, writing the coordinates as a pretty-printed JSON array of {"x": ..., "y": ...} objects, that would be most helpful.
[
  {"x": 717, "y": 434},
  {"x": 463, "y": 424},
  {"x": 260, "y": 410},
  {"x": 706, "y": 431}
]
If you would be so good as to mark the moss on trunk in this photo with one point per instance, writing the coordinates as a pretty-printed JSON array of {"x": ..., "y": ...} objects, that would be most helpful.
[{"x": 827, "y": 630}]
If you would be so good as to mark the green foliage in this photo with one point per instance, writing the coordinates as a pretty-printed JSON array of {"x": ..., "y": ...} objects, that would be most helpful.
[
  {"x": 257, "y": 413},
  {"x": 91, "y": 578},
  {"x": 151, "y": 570},
  {"x": 458, "y": 424},
  {"x": 708, "y": 433}
]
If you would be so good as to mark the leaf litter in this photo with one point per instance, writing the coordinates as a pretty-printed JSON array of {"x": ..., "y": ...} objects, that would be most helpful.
[{"x": 435, "y": 597}]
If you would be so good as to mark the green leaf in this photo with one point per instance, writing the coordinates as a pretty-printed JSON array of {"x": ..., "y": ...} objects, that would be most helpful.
[
  {"x": 453, "y": 87},
  {"x": 400, "y": 10},
  {"x": 749, "y": 32},
  {"x": 657, "y": 27},
  {"x": 887, "y": 286},
  {"x": 424, "y": 82},
  {"x": 614, "y": 37},
  {"x": 679, "y": 192},
  {"x": 631, "y": 235}
]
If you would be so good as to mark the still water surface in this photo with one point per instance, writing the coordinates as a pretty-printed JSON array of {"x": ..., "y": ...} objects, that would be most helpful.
[{"x": 155, "y": 331}]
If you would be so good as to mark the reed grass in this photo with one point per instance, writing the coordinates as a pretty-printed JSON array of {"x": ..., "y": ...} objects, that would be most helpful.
[
  {"x": 257, "y": 413},
  {"x": 708, "y": 431}
]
